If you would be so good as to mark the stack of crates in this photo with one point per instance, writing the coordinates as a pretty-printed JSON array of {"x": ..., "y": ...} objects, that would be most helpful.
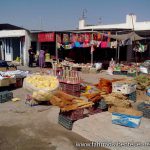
[
  {"x": 73, "y": 89},
  {"x": 5, "y": 96}
]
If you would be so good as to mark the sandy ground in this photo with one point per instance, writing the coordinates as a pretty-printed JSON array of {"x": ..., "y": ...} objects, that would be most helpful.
[
  {"x": 26, "y": 128},
  {"x": 34, "y": 128}
]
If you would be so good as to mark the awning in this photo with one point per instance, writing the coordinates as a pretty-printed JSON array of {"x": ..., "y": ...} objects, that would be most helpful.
[{"x": 133, "y": 36}]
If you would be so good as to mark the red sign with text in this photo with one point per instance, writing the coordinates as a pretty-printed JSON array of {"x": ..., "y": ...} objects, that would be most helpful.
[{"x": 46, "y": 37}]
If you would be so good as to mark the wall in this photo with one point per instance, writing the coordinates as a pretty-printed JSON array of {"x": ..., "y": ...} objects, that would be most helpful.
[{"x": 131, "y": 21}]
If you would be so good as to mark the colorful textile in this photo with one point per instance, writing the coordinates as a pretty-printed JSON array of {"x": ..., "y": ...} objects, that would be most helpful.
[
  {"x": 113, "y": 44},
  {"x": 65, "y": 38},
  {"x": 77, "y": 44},
  {"x": 99, "y": 37},
  {"x": 103, "y": 44}
]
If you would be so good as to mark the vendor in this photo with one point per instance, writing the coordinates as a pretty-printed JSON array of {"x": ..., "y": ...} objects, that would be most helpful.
[{"x": 47, "y": 59}]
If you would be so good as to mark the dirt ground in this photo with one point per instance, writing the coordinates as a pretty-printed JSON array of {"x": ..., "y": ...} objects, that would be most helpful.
[
  {"x": 28, "y": 128},
  {"x": 23, "y": 127}
]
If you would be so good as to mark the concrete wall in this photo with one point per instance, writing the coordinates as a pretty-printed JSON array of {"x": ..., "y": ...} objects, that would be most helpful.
[
  {"x": 131, "y": 21},
  {"x": 12, "y": 33}
]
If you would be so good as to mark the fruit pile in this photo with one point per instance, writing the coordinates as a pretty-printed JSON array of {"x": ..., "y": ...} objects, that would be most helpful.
[{"x": 43, "y": 82}]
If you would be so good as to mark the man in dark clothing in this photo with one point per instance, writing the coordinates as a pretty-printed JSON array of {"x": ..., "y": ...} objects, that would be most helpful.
[{"x": 31, "y": 57}]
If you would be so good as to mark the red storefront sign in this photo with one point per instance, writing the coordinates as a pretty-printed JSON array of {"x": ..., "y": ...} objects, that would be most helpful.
[{"x": 46, "y": 37}]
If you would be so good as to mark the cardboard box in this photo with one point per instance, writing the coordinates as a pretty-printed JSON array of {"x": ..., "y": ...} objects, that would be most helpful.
[
  {"x": 126, "y": 120},
  {"x": 4, "y": 82},
  {"x": 3, "y": 68},
  {"x": 128, "y": 117},
  {"x": 124, "y": 88}
]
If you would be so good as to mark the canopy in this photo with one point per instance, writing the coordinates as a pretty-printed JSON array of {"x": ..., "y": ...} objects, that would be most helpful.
[{"x": 133, "y": 36}]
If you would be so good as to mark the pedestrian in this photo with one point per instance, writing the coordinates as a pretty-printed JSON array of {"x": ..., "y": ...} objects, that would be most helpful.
[
  {"x": 31, "y": 57},
  {"x": 42, "y": 58}
]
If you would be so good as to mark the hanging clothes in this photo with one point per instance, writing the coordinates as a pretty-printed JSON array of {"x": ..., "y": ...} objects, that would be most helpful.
[
  {"x": 113, "y": 44},
  {"x": 99, "y": 36},
  {"x": 103, "y": 44},
  {"x": 138, "y": 47},
  {"x": 108, "y": 39},
  {"x": 77, "y": 44},
  {"x": 65, "y": 38}
]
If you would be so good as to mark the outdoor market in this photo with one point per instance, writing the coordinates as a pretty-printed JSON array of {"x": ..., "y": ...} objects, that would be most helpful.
[{"x": 92, "y": 85}]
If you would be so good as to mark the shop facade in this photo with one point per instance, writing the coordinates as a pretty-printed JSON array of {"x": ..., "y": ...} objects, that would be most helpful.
[{"x": 14, "y": 44}]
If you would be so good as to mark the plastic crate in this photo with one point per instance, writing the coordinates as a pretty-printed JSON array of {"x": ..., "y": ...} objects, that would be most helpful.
[
  {"x": 124, "y": 72},
  {"x": 132, "y": 96},
  {"x": 102, "y": 105},
  {"x": 131, "y": 74},
  {"x": 74, "y": 114},
  {"x": 65, "y": 122},
  {"x": 117, "y": 72},
  {"x": 5, "y": 96},
  {"x": 70, "y": 87},
  {"x": 145, "y": 108},
  {"x": 73, "y": 89}
]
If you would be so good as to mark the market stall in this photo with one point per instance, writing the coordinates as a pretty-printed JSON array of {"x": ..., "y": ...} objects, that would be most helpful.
[{"x": 15, "y": 77}]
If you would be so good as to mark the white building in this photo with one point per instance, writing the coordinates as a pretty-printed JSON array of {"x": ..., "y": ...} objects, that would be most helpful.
[
  {"x": 14, "y": 42},
  {"x": 131, "y": 22}
]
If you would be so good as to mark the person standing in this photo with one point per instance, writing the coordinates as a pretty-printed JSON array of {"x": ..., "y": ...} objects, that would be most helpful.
[
  {"x": 42, "y": 58},
  {"x": 31, "y": 57}
]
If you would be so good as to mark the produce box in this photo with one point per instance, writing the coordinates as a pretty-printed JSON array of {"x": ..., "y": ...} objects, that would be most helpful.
[
  {"x": 3, "y": 68},
  {"x": 126, "y": 120},
  {"x": 128, "y": 117},
  {"x": 123, "y": 87},
  {"x": 4, "y": 82}
]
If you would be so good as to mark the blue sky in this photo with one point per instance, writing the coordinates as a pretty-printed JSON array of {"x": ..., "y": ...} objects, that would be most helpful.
[{"x": 65, "y": 14}]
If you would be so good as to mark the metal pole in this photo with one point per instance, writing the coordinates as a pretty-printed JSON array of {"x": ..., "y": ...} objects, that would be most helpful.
[
  {"x": 56, "y": 50},
  {"x": 92, "y": 51},
  {"x": 118, "y": 53}
]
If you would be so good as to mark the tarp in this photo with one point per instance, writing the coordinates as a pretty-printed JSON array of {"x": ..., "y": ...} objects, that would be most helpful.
[{"x": 133, "y": 36}]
